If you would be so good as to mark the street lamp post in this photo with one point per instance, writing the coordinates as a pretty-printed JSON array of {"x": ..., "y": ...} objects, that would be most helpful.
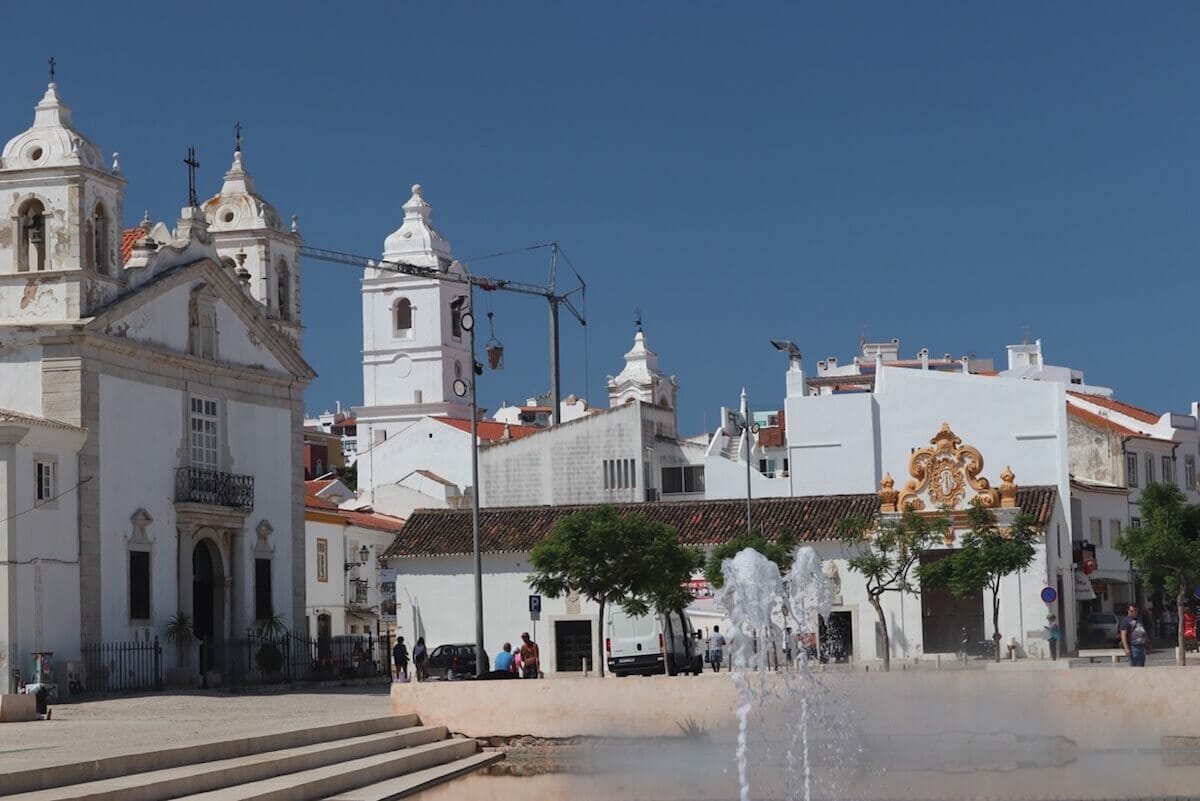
[
  {"x": 748, "y": 427},
  {"x": 463, "y": 387}
]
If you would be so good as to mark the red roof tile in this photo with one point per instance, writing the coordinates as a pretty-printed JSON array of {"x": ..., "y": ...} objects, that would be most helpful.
[
  {"x": 1141, "y": 415},
  {"x": 372, "y": 520},
  {"x": 1104, "y": 424},
  {"x": 129, "y": 238},
  {"x": 490, "y": 430},
  {"x": 435, "y": 532}
]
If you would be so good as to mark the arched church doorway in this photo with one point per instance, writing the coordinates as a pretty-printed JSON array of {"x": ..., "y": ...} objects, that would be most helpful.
[{"x": 208, "y": 607}]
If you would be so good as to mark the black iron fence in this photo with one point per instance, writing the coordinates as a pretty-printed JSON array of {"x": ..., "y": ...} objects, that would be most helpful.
[
  {"x": 114, "y": 667},
  {"x": 193, "y": 485},
  {"x": 258, "y": 658}
]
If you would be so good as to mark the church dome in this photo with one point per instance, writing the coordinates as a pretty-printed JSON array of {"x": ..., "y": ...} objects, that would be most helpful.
[
  {"x": 52, "y": 141},
  {"x": 416, "y": 237},
  {"x": 238, "y": 206}
]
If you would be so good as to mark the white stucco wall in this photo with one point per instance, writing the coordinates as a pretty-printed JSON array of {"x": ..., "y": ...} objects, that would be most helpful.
[
  {"x": 21, "y": 387},
  {"x": 325, "y": 597}
]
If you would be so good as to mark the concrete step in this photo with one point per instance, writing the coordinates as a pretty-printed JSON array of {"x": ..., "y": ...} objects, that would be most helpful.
[
  {"x": 228, "y": 773},
  {"x": 415, "y": 782},
  {"x": 319, "y": 783},
  {"x": 24, "y": 781}
]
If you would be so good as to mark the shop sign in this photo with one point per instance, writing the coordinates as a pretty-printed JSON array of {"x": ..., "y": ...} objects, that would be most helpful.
[{"x": 1083, "y": 587}]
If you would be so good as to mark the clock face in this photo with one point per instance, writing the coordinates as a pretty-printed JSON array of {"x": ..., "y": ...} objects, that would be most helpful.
[{"x": 460, "y": 387}]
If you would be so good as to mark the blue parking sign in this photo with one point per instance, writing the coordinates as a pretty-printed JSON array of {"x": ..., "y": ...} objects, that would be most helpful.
[{"x": 535, "y": 604}]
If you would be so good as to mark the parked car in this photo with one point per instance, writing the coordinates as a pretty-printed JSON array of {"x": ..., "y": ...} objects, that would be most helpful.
[
  {"x": 454, "y": 661},
  {"x": 1101, "y": 627},
  {"x": 641, "y": 645}
]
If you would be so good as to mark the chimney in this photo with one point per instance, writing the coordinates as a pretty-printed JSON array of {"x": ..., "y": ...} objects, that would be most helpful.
[{"x": 923, "y": 355}]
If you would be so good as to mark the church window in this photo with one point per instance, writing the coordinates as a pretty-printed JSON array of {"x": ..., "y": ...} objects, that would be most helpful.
[
  {"x": 204, "y": 422},
  {"x": 264, "y": 609},
  {"x": 283, "y": 283},
  {"x": 44, "y": 480},
  {"x": 457, "y": 369},
  {"x": 31, "y": 245},
  {"x": 202, "y": 327},
  {"x": 100, "y": 238},
  {"x": 456, "y": 322},
  {"x": 403, "y": 317},
  {"x": 322, "y": 560},
  {"x": 139, "y": 585}
]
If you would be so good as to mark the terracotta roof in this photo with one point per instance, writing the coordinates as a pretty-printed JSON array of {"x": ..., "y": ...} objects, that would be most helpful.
[
  {"x": 318, "y": 485},
  {"x": 432, "y": 476},
  {"x": 1141, "y": 415},
  {"x": 312, "y": 501},
  {"x": 129, "y": 238},
  {"x": 441, "y": 532},
  {"x": 1105, "y": 424},
  {"x": 372, "y": 520},
  {"x": 21, "y": 418},
  {"x": 490, "y": 430}
]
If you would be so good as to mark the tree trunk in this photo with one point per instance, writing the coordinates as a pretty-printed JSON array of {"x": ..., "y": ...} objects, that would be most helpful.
[
  {"x": 996, "y": 621},
  {"x": 1180, "y": 601},
  {"x": 887, "y": 642},
  {"x": 600, "y": 650}
]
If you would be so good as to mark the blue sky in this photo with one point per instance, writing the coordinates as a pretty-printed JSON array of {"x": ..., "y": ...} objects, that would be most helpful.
[{"x": 945, "y": 173}]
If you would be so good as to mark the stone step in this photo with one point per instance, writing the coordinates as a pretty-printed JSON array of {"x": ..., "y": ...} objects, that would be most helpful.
[
  {"x": 415, "y": 782},
  {"x": 330, "y": 780},
  {"x": 228, "y": 773},
  {"x": 23, "y": 781}
]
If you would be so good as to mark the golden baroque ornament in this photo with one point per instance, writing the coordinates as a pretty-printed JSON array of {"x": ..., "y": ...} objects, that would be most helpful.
[{"x": 944, "y": 472}]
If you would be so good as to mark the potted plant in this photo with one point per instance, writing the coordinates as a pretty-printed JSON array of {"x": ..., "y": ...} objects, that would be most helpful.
[
  {"x": 269, "y": 657},
  {"x": 180, "y": 632}
]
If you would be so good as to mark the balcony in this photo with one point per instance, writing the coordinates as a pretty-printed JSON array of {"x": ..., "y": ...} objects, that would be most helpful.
[
  {"x": 358, "y": 592},
  {"x": 194, "y": 485}
]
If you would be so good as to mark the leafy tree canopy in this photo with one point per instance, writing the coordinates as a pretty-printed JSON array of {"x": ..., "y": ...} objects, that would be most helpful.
[
  {"x": 1166, "y": 547},
  {"x": 780, "y": 551}
]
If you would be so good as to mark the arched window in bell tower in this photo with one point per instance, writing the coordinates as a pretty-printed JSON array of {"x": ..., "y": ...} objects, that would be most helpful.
[
  {"x": 100, "y": 244},
  {"x": 31, "y": 244},
  {"x": 403, "y": 316},
  {"x": 283, "y": 285}
]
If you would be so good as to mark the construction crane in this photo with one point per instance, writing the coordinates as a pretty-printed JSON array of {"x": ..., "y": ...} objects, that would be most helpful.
[{"x": 549, "y": 291}]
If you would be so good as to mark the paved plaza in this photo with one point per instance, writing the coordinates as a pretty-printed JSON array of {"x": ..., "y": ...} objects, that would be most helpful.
[{"x": 96, "y": 729}]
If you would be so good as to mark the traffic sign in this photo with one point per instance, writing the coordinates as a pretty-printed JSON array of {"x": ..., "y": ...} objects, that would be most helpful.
[
  {"x": 535, "y": 604},
  {"x": 1049, "y": 595}
]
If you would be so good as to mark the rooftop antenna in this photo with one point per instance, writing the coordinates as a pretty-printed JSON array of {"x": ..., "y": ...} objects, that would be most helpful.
[
  {"x": 53, "y": 64},
  {"x": 237, "y": 137},
  {"x": 192, "y": 166}
]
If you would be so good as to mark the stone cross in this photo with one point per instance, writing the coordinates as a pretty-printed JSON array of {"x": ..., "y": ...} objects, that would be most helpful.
[
  {"x": 53, "y": 63},
  {"x": 192, "y": 166},
  {"x": 237, "y": 130}
]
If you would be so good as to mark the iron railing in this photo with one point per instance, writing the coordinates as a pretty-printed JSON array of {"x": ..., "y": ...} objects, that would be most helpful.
[
  {"x": 258, "y": 658},
  {"x": 113, "y": 667},
  {"x": 195, "y": 485}
]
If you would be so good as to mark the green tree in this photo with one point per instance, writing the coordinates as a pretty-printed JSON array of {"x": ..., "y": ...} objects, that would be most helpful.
[
  {"x": 987, "y": 554},
  {"x": 887, "y": 549},
  {"x": 780, "y": 551},
  {"x": 1166, "y": 547},
  {"x": 612, "y": 558},
  {"x": 348, "y": 475}
]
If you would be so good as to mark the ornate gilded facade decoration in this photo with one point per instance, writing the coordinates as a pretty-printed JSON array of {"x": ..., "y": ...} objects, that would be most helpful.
[
  {"x": 1008, "y": 489},
  {"x": 944, "y": 473},
  {"x": 888, "y": 495}
]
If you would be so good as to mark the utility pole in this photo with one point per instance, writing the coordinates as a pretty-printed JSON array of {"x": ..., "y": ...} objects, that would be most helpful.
[{"x": 746, "y": 426}]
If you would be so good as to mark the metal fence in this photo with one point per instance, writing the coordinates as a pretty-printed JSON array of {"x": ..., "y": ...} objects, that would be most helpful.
[
  {"x": 113, "y": 667},
  {"x": 257, "y": 658}
]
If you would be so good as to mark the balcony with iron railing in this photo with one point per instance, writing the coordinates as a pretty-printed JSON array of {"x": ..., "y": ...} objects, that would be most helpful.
[
  {"x": 358, "y": 592},
  {"x": 214, "y": 488}
]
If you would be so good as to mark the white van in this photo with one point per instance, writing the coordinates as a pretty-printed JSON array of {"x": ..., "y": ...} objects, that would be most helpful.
[{"x": 640, "y": 645}]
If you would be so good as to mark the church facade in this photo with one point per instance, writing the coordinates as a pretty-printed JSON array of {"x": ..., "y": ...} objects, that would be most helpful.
[{"x": 151, "y": 389}]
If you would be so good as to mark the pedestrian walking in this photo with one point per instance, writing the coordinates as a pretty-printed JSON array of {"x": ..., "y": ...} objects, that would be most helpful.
[
  {"x": 400, "y": 659},
  {"x": 531, "y": 661},
  {"x": 420, "y": 657},
  {"x": 716, "y": 649},
  {"x": 1135, "y": 640},
  {"x": 1053, "y": 635}
]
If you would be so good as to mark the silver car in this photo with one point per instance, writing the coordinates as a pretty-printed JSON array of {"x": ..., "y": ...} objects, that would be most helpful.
[{"x": 1101, "y": 628}]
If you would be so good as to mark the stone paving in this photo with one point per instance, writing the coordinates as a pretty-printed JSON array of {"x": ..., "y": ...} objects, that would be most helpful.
[{"x": 94, "y": 729}]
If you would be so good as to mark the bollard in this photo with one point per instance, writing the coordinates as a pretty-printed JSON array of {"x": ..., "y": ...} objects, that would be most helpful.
[
  {"x": 585, "y": 666},
  {"x": 939, "y": 661}
]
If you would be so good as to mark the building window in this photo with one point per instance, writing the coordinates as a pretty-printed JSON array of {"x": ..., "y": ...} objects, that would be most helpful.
[
  {"x": 1189, "y": 471},
  {"x": 1168, "y": 473},
  {"x": 403, "y": 316},
  {"x": 1149, "y": 469},
  {"x": 100, "y": 238},
  {"x": 632, "y": 473},
  {"x": 685, "y": 479},
  {"x": 456, "y": 322},
  {"x": 31, "y": 246},
  {"x": 322, "y": 560},
  {"x": 1097, "y": 528},
  {"x": 263, "y": 608},
  {"x": 767, "y": 467},
  {"x": 1131, "y": 476},
  {"x": 1135, "y": 522},
  {"x": 1114, "y": 532},
  {"x": 44, "y": 480},
  {"x": 283, "y": 285},
  {"x": 139, "y": 585},
  {"x": 202, "y": 326},
  {"x": 204, "y": 422}
]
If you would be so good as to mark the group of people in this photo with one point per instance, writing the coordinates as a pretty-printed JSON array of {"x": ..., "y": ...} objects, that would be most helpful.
[
  {"x": 420, "y": 659},
  {"x": 525, "y": 662}
]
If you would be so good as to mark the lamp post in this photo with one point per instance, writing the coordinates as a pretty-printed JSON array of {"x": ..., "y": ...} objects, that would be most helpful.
[
  {"x": 747, "y": 427},
  {"x": 462, "y": 305}
]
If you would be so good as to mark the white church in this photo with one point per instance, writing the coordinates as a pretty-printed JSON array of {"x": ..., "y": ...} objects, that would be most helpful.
[{"x": 151, "y": 387}]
